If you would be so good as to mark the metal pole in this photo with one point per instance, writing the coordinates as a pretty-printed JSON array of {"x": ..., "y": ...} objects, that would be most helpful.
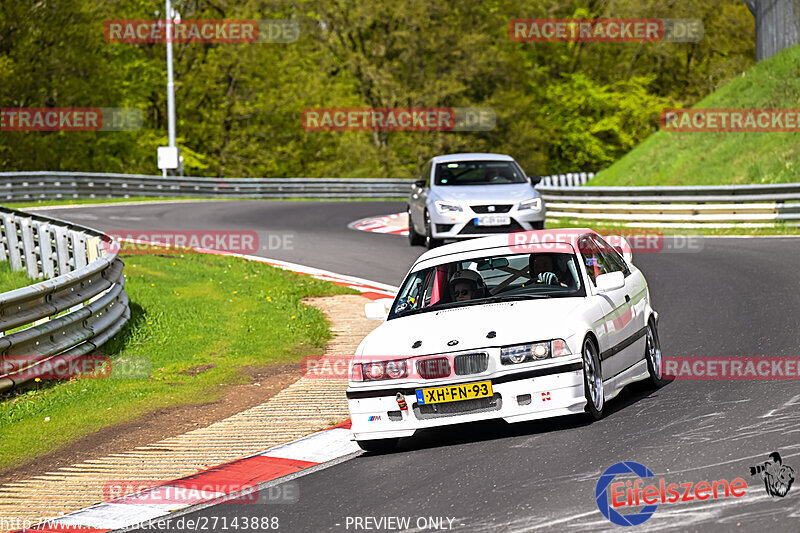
[{"x": 170, "y": 82}]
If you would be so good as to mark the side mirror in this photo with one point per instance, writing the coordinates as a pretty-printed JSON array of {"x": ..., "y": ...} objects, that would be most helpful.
[
  {"x": 378, "y": 310},
  {"x": 610, "y": 282},
  {"x": 535, "y": 180},
  {"x": 420, "y": 184}
]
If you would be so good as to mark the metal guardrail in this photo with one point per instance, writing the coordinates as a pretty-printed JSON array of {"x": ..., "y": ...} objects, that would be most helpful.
[
  {"x": 710, "y": 206},
  {"x": 565, "y": 196},
  {"x": 79, "y": 303},
  {"x": 570, "y": 179},
  {"x": 28, "y": 186}
]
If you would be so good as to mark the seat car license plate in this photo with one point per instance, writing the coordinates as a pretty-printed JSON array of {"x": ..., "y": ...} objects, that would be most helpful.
[
  {"x": 455, "y": 393},
  {"x": 493, "y": 220}
]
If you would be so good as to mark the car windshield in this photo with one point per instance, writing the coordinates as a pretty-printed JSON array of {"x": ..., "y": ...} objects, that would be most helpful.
[
  {"x": 478, "y": 173},
  {"x": 489, "y": 279}
]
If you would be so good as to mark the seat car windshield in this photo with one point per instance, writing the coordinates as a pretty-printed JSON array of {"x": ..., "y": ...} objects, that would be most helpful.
[
  {"x": 489, "y": 279},
  {"x": 478, "y": 173}
]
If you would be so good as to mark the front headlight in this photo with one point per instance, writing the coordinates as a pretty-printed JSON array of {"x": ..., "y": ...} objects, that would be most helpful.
[
  {"x": 379, "y": 370},
  {"x": 445, "y": 207},
  {"x": 534, "y": 204},
  {"x": 511, "y": 355}
]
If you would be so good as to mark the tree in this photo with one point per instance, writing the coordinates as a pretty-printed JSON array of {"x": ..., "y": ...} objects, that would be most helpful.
[{"x": 777, "y": 23}]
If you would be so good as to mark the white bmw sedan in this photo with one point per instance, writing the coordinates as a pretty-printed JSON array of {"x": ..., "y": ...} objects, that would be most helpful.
[{"x": 520, "y": 327}]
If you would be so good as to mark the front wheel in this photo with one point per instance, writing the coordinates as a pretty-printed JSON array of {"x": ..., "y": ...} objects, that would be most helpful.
[
  {"x": 414, "y": 238},
  {"x": 377, "y": 445},
  {"x": 430, "y": 242},
  {"x": 593, "y": 380},
  {"x": 652, "y": 354}
]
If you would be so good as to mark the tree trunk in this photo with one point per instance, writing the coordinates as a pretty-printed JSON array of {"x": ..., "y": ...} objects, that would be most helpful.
[{"x": 776, "y": 25}]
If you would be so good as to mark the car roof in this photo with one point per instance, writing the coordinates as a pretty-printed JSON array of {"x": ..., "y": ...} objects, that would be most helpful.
[
  {"x": 449, "y": 158},
  {"x": 566, "y": 235}
]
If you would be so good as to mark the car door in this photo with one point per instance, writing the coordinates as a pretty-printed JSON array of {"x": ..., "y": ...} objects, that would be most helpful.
[
  {"x": 626, "y": 319},
  {"x": 615, "y": 307},
  {"x": 636, "y": 294}
]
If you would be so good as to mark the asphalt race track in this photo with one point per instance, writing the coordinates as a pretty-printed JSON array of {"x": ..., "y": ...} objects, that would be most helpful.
[{"x": 734, "y": 297}]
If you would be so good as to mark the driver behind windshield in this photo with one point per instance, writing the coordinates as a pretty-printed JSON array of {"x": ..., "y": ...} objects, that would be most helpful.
[
  {"x": 544, "y": 271},
  {"x": 466, "y": 285}
]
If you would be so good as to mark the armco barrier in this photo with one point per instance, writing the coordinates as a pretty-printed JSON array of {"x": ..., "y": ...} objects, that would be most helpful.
[
  {"x": 565, "y": 195},
  {"x": 78, "y": 303},
  {"x": 570, "y": 179},
  {"x": 710, "y": 206},
  {"x": 27, "y": 186}
]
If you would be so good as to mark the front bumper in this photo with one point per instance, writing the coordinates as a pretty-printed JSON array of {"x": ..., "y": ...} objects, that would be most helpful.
[
  {"x": 518, "y": 397},
  {"x": 455, "y": 225}
]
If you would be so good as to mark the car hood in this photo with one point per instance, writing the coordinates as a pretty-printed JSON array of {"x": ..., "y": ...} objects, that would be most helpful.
[
  {"x": 487, "y": 194},
  {"x": 512, "y": 322}
]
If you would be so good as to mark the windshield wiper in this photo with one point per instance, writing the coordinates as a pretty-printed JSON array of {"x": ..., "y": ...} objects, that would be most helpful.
[
  {"x": 517, "y": 297},
  {"x": 469, "y": 303}
]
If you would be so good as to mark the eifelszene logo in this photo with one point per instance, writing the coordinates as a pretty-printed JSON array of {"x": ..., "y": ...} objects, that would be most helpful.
[
  {"x": 615, "y": 496},
  {"x": 606, "y": 505},
  {"x": 778, "y": 477}
]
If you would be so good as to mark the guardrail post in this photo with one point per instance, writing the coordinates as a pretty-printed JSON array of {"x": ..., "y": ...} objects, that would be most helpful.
[
  {"x": 92, "y": 248},
  {"x": 29, "y": 248},
  {"x": 12, "y": 240},
  {"x": 3, "y": 248},
  {"x": 62, "y": 250},
  {"x": 46, "y": 252},
  {"x": 78, "y": 248}
]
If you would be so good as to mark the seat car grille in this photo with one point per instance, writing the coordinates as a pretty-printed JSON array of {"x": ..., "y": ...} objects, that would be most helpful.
[
  {"x": 483, "y": 209},
  {"x": 472, "y": 229},
  {"x": 464, "y": 407},
  {"x": 471, "y": 363}
]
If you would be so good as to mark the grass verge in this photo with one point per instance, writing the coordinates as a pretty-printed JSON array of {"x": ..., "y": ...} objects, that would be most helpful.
[
  {"x": 197, "y": 320},
  {"x": 12, "y": 279},
  {"x": 670, "y": 158}
]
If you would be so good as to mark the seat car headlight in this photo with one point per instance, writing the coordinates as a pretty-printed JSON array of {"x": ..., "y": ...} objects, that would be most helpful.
[
  {"x": 521, "y": 353},
  {"x": 446, "y": 207},
  {"x": 534, "y": 204}
]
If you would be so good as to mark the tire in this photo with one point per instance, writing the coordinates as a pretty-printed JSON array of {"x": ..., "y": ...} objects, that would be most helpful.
[
  {"x": 652, "y": 354},
  {"x": 538, "y": 225},
  {"x": 414, "y": 238},
  {"x": 377, "y": 445},
  {"x": 592, "y": 380},
  {"x": 430, "y": 242}
]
